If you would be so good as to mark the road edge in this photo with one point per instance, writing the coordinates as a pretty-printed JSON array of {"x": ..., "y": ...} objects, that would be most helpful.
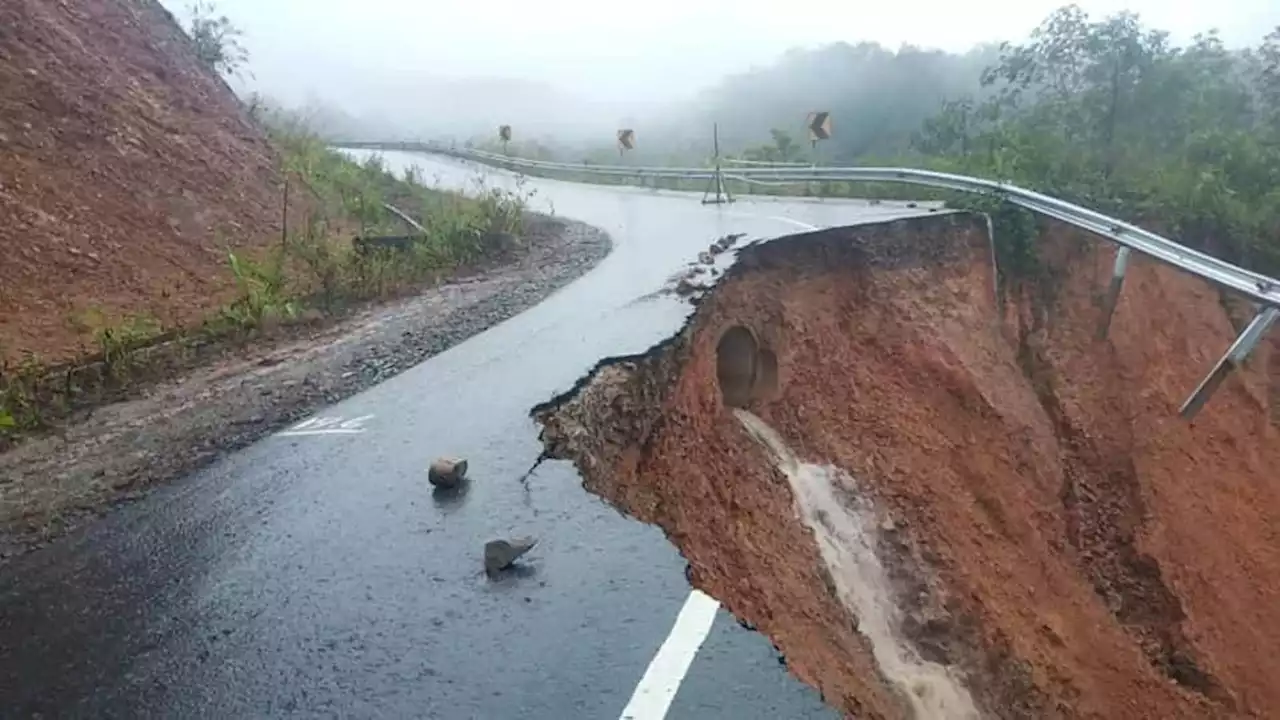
[{"x": 50, "y": 486}]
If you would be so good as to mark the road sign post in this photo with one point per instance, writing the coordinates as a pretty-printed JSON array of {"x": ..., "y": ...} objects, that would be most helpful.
[
  {"x": 819, "y": 126},
  {"x": 504, "y": 134},
  {"x": 626, "y": 140}
]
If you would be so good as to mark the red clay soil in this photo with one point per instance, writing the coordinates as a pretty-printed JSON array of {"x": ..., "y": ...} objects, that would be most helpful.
[
  {"x": 125, "y": 170},
  {"x": 1053, "y": 532}
]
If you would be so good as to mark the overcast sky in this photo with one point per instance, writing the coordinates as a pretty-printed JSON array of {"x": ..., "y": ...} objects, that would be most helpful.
[{"x": 615, "y": 50}]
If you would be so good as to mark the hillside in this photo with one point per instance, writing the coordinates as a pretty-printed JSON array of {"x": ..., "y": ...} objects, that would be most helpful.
[
  {"x": 125, "y": 167},
  {"x": 878, "y": 98}
]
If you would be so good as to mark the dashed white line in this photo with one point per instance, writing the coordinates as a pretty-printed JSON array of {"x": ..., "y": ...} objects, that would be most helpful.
[
  {"x": 333, "y": 431},
  {"x": 652, "y": 697},
  {"x": 779, "y": 218},
  {"x": 797, "y": 223}
]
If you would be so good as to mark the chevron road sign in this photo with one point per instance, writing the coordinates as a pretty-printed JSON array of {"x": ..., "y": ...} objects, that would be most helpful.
[{"x": 819, "y": 125}]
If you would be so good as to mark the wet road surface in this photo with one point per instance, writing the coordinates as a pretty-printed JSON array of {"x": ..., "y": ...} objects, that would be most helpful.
[{"x": 316, "y": 574}]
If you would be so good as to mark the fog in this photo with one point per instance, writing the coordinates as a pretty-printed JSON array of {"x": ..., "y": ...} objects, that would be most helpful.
[{"x": 574, "y": 70}]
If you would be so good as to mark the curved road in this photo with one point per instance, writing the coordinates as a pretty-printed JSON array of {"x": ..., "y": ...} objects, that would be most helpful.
[{"x": 316, "y": 574}]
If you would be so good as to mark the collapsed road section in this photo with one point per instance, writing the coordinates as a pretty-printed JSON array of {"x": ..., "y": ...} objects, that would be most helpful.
[{"x": 940, "y": 495}]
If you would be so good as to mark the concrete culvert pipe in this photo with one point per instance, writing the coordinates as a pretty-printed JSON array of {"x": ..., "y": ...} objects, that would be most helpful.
[{"x": 736, "y": 356}]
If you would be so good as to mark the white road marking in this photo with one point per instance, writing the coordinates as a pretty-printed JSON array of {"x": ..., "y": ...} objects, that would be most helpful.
[
  {"x": 797, "y": 223},
  {"x": 652, "y": 697},
  {"x": 330, "y": 431},
  {"x": 320, "y": 425},
  {"x": 779, "y": 218}
]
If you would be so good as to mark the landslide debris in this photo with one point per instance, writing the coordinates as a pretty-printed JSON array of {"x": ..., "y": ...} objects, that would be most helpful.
[
  {"x": 928, "y": 492},
  {"x": 125, "y": 168}
]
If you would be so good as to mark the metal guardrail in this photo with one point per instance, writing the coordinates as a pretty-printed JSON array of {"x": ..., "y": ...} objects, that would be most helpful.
[{"x": 1258, "y": 287}]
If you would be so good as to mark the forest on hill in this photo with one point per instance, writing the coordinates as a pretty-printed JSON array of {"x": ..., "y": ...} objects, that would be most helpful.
[{"x": 1107, "y": 112}]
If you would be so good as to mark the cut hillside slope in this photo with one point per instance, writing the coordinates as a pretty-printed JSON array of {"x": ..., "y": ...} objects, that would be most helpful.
[
  {"x": 938, "y": 503},
  {"x": 125, "y": 169}
]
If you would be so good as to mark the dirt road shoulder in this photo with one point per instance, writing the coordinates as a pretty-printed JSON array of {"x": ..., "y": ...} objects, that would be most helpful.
[{"x": 51, "y": 484}]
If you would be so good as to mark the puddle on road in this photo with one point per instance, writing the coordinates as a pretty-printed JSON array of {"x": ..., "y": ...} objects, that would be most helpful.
[{"x": 840, "y": 523}]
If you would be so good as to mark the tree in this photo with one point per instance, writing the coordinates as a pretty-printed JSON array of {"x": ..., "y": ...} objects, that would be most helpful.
[
  {"x": 950, "y": 131},
  {"x": 1266, "y": 72},
  {"x": 217, "y": 39},
  {"x": 876, "y": 97},
  {"x": 783, "y": 149},
  {"x": 1109, "y": 114},
  {"x": 1079, "y": 80}
]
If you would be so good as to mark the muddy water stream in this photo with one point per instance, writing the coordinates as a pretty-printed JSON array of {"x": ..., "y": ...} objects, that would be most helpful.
[{"x": 843, "y": 525}]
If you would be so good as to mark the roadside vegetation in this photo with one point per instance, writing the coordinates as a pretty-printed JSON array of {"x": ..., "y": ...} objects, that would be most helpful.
[
  {"x": 315, "y": 269},
  {"x": 1110, "y": 115},
  {"x": 315, "y": 272},
  {"x": 216, "y": 39}
]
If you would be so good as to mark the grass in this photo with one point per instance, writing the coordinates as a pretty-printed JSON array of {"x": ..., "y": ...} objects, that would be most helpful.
[{"x": 312, "y": 271}]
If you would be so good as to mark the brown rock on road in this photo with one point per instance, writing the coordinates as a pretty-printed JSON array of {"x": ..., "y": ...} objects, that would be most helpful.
[{"x": 447, "y": 472}]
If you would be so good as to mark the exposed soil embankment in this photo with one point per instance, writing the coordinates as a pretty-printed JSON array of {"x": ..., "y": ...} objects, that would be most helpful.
[
  {"x": 125, "y": 169},
  {"x": 935, "y": 501}
]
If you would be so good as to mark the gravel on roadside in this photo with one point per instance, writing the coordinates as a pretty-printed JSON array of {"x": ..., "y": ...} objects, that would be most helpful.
[{"x": 51, "y": 484}]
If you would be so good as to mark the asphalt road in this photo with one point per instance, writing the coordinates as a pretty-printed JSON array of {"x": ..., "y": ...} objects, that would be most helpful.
[{"x": 316, "y": 574}]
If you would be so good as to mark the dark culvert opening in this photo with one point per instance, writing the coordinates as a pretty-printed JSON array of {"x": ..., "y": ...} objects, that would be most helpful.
[
  {"x": 736, "y": 357},
  {"x": 766, "y": 382}
]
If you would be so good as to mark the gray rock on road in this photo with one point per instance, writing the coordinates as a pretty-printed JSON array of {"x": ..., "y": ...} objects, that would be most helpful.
[{"x": 500, "y": 554}]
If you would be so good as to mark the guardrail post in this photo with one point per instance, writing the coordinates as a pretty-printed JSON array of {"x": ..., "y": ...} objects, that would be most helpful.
[
  {"x": 1113, "y": 292},
  {"x": 1235, "y": 357}
]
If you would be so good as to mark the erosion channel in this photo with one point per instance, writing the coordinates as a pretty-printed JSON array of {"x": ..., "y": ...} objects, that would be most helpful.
[{"x": 936, "y": 490}]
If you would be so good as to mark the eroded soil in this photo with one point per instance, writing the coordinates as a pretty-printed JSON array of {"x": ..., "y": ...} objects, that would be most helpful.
[
  {"x": 1055, "y": 536},
  {"x": 125, "y": 169}
]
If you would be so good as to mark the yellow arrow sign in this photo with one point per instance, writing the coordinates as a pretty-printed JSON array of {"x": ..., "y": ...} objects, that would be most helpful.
[
  {"x": 627, "y": 139},
  {"x": 819, "y": 125},
  {"x": 504, "y": 133}
]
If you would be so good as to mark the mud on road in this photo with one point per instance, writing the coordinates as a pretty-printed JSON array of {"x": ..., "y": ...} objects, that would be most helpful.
[{"x": 115, "y": 453}]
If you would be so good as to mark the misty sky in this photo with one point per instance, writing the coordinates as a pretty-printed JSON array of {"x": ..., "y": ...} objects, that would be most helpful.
[{"x": 641, "y": 51}]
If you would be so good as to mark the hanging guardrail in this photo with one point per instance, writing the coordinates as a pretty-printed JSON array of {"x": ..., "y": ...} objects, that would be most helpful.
[{"x": 1260, "y": 288}]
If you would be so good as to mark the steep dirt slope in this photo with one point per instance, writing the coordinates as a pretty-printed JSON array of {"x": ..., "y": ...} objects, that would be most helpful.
[
  {"x": 1052, "y": 540},
  {"x": 125, "y": 168}
]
